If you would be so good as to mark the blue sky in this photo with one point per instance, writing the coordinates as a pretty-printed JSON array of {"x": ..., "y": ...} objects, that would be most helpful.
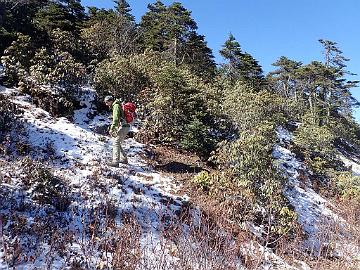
[{"x": 268, "y": 29}]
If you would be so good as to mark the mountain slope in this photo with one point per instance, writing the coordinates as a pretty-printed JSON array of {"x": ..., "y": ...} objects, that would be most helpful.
[
  {"x": 318, "y": 217},
  {"x": 77, "y": 155},
  {"x": 62, "y": 207}
]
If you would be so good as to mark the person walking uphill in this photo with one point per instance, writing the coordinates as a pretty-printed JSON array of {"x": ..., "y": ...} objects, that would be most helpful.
[{"x": 118, "y": 130}]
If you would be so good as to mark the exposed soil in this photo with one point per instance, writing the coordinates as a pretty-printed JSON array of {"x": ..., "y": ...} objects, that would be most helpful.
[{"x": 180, "y": 164}]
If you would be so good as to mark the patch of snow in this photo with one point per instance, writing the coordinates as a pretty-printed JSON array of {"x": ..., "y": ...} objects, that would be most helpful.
[
  {"x": 283, "y": 134},
  {"x": 7, "y": 91},
  {"x": 79, "y": 155},
  {"x": 2, "y": 71},
  {"x": 354, "y": 165},
  {"x": 2, "y": 250},
  {"x": 267, "y": 260},
  {"x": 312, "y": 208}
]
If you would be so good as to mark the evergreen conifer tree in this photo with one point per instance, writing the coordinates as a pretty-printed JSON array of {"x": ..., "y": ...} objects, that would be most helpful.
[
  {"x": 337, "y": 90},
  {"x": 123, "y": 8},
  {"x": 152, "y": 25},
  {"x": 75, "y": 9},
  {"x": 53, "y": 16},
  {"x": 178, "y": 26},
  {"x": 17, "y": 17},
  {"x": 231, "y": 51},
  {"x": 67, "y": 15},
  {"x": 284, "y": 77},
  {"x": 241, "y": 65},
  {"x": 172, "y": 30},
  {"x": 199, "y": 56}
]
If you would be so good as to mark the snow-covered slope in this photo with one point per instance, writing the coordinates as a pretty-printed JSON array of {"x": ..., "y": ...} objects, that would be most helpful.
[
  {"x": 118, "y": 215},
  {"x": 316, "y": 214},
  {"x": 79, "y": 157}
]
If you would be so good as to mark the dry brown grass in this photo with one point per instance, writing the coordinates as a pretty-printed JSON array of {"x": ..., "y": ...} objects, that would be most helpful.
[{"x": 338, "y": 241}]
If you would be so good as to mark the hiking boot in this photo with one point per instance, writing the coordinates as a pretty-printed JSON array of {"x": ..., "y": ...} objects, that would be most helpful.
[{"x": 113, "y": 164}]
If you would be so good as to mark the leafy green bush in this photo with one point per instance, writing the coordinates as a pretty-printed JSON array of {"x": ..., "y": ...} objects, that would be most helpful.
[
  {"x": 249, "y": 182},
  {"x": 251, "y": 186},
  {"x": 11, "y": 128},
  {"x": 58, "y": 69},
  {"x": 43, "y": 186},
  {"x": 347, "y": 133},
  {"x": 169, "y": 97},
  {"x": 66, "y": 41},
  {"x": 32, "y": 69},
  {"x": 317, "y": 144},
  {"x": 348, "y": 185},
  {"x": 120, "y": 77},
  {"x": 17, "y": 57},
  {"x": 62, "y": 73},
  {"x": 203, "y": 180},
  {"x": 111, "y": 35},
  {"x": 57, "y": 105},
  {"x": 196, "y": 138},
  {"x": 248, "y": 108},
  {"x": 314, "y": 139},
  {"x": 8, "y": 112},
  {"x": 176, "y": 110}
]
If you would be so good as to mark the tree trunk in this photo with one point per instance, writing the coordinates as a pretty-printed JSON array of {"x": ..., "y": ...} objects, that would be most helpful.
[{"x": 175, "y": 51}]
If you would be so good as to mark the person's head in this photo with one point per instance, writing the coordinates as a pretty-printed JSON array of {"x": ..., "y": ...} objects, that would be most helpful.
[{"x": 109, "y": 100}]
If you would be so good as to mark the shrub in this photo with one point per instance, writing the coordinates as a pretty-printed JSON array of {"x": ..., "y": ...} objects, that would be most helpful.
[
  {"x": 58, "y": 69},
  {"x": 44, "y": 186},
  {"x": 16, "y": 58},
  {"x": 11, "y": 128},
  {"x": 120, "y": 77},
  {"x": 169, "y": 97},
  {"x": 111, "y": 35},
  {"x": 248, "y": 108},
  {"x": 8, "y": 112},
  {"x": 32, "y": 69},
  {"x": 196, "y": 137},
  {"x": 65, "y": 41},
  {"x": 314, "y": 139},
  {"x": 56, "y": 105},
  {"x": 316, "y": 143},
  {"x": 174, "y": 104},
  {"x": 62, "y": 74},
  {"x": 348, "y": 185},
  {"x": 251, "y": 185},
  {"x": 203, "y": 180}
]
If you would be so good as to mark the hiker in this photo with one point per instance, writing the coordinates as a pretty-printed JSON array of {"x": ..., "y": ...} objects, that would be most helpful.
[{"x": 118, "y": 130}]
